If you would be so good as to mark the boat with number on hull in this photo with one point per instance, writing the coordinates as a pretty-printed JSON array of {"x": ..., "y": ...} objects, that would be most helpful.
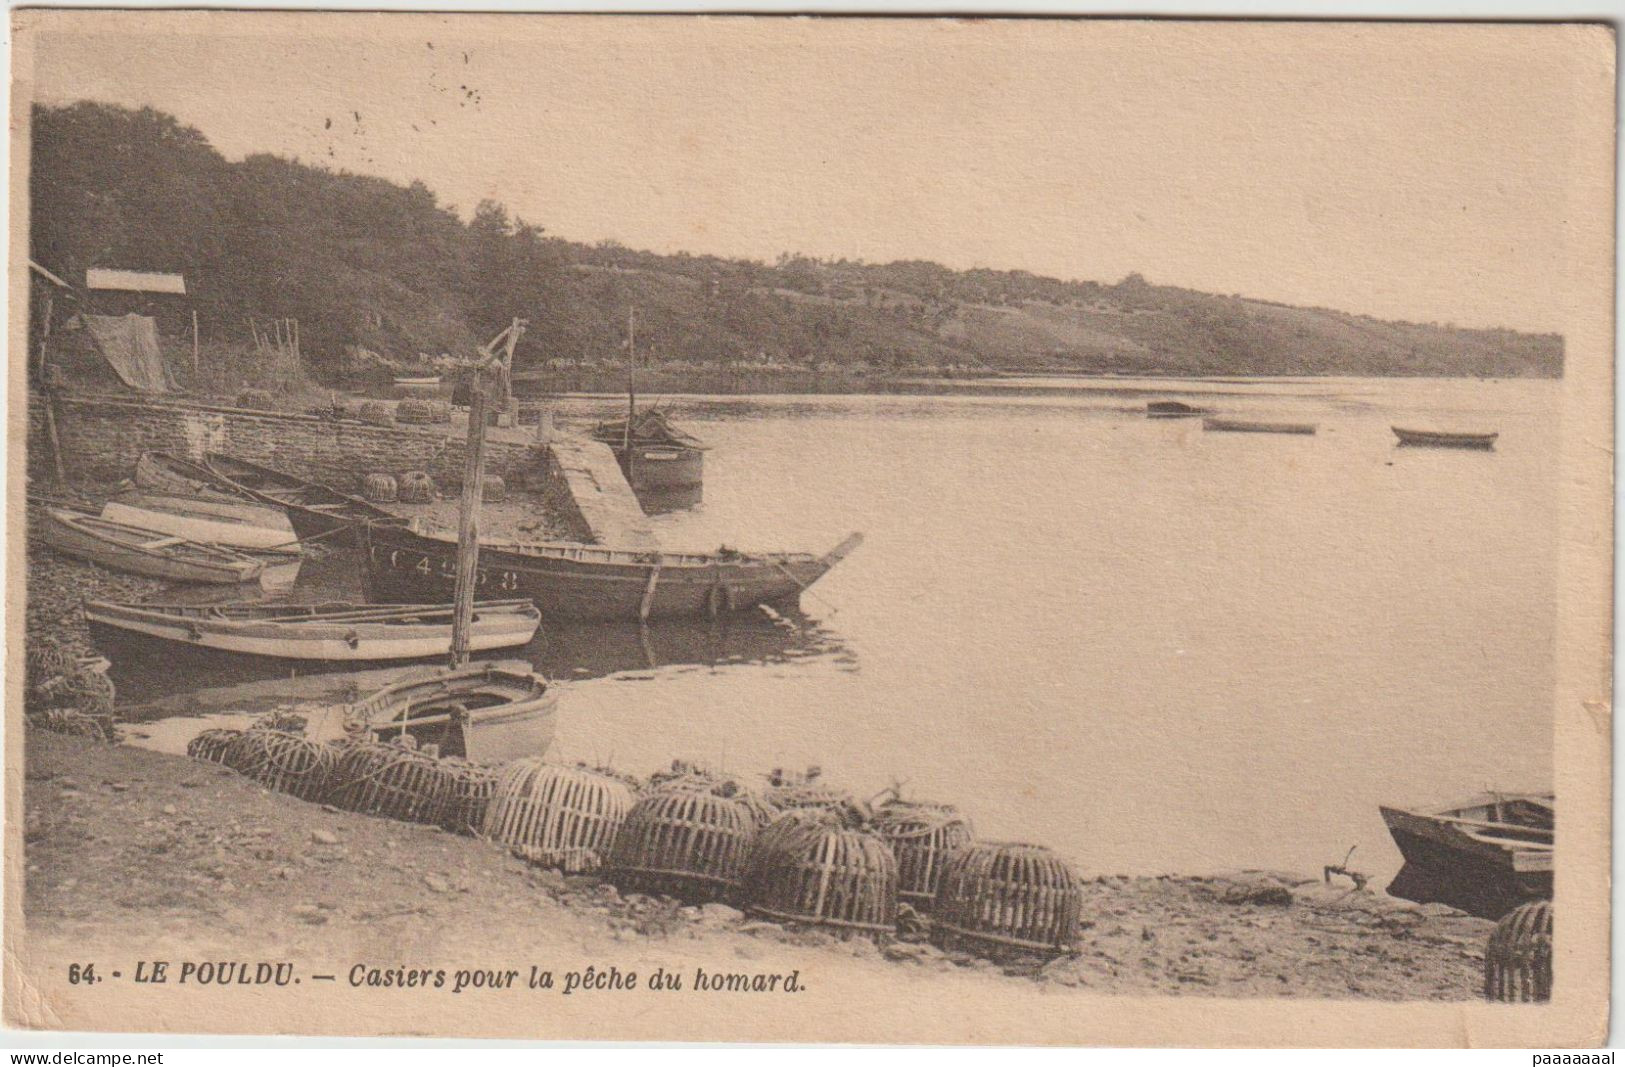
[{"x": 578, "y": 581}]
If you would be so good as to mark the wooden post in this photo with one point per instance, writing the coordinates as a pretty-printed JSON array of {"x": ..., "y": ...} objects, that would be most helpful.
[
  {"x": 468, "y": 524},
  {"x": 45, "y": 334},
  {"x": 194, "y": 344}
]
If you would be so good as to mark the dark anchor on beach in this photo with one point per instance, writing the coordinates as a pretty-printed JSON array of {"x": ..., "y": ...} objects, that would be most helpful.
[{"x": 1359, "y": 879}]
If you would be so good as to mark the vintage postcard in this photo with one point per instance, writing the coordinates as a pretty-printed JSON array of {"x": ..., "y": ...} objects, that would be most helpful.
[{"x": 810, "y": 529}]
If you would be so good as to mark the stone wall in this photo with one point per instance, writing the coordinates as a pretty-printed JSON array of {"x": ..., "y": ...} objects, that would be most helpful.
[{"x": 102, "y": 437}]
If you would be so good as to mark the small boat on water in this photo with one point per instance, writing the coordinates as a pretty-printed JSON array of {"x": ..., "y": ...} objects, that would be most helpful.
[
  {"x": 1484, "y": 855},
  {"x": 328, "y": 633},
  {"x": 655, "y": 454},
  {"x": 234, "y": 523},
  {"x": 1172, "y": 409},
  {"x": 1445, "y": 439},
  {"x": 140, "y": 551},
  {"x": 431, "y": 381},
  {"x": 577, "y": 581},
  {"x": 313, "y": 509},
  {"x": 1257, "y": 426},
  {"x": 486, "y": 714}
]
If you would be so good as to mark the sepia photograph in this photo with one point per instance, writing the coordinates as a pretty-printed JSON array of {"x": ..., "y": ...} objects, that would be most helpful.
[{"x": 762, "y": 529}]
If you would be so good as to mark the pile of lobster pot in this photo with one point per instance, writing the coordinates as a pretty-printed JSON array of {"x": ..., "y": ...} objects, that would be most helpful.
[{"x": 1518, "y": 959}]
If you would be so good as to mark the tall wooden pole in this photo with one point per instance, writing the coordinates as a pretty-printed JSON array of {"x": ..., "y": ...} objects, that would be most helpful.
[
  {"x": 194, "y": 344},
  {"x": 631, "y": 369},
  {"x": 468, "y": 525}
]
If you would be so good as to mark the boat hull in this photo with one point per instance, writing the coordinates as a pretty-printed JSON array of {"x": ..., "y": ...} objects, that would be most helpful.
[
  {"x": 403, "y": 566},
  {"x": 1446, "y": 866},
  {"x": 651, "y": 468},
  {"x": 239, "y": 525},
  {"x": 80, "y": 543},
  {"x": 1482, "y": 442},
  {"x": 314, "y": 641},
  {"x": 314, "y": 509},
  {"x": 1247, "y": 426},
  {"x": 486, "y": 715}
]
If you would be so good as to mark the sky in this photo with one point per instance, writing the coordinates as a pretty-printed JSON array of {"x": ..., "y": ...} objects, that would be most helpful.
[{"x": 1404, "y": 171}]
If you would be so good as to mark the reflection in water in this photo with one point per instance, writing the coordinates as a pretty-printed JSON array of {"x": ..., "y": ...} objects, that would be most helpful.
[
  {"x": 666, "y": 501},
  {"x": 148, "y": 670}
]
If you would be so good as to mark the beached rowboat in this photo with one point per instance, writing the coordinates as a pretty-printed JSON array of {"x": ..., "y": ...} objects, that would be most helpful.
[
  {"x": 487, "y": 713},
  {"x": 234, "y": 523},
  {"x": 1484, "y": 855},
  {"x": 576, "y": 581},
  {"x": 1256, "y": 426},
  {"x": 328, "y": 633},
  {"x": 1444, "y": 439},
  {"x": 140, "y": 551},
  {"x": 313, "y": 508}
]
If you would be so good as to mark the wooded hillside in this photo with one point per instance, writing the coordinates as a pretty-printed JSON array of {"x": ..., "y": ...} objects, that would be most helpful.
[{"x": 361, "y": 261}]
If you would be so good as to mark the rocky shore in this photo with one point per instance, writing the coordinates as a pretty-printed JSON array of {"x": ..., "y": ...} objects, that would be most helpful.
[{"x": 126, "y": 847}]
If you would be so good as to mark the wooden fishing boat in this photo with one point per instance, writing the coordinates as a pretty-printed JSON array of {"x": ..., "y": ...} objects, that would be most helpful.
[
  {"x": 486, "y": 713},
  {"x": 328, "y": 633},
  {"x": 576, "y": 581},
  {"x": 1172, "y": 409},
  {"x": 314, "y": 509},
  {"x": 1484, "y": 855},
  {"x": 1257, "y": 426},
  {"x": 234, "y": 523},
  {"x": 140, "y": 551},
  {"x": 655, "y": 455},
  {"x": 423, "y": 381},
  {"x": 1444, "y": 439}
]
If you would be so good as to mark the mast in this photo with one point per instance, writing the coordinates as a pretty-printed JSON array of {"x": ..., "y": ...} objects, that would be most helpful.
[{"x": 631, "y": 370}]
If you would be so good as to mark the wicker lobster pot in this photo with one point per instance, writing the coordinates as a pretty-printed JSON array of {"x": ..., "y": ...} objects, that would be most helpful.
[
  {"x": 688, "y": 843},
  {"x": 379, "y": 488},
  {"x": 923, "y": 838},
  {"x": 376, "y": 413},
  {"x": 469, "y": 794},
  {"x": 210, "y": 746},
  {"x": 1518, "y": 959},
  {"x": 761, "y": 812},
  {"x": 390, "y": 780},
  {"x": 998, "y": 896},
  {"x": 415, "y": 487},
  {"x": 293, "y": 764},
  {"x": 45, "y": 664},
  {"x": 565, "y": 817},
  {"x": 414, "y": 411},
  {"x": 76, "y": 723},
  {"x": 827, "y": 875}
]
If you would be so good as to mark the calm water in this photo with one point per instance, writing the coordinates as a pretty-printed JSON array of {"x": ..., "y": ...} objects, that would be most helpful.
[{"x": 1154, "y": 648}]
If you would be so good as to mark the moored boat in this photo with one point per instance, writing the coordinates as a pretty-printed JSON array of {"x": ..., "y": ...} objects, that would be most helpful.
[
  {"x": 577, "y": 581},
  {"x": 1484, "y": 855},
  {"x": 1445, "y": 439},
  {"x": 141, "y": 551},
  {"x": 234, "y": 523},
  {"x": 1172, "y": 409},
  {"x": 327, "y": 633},
  {"x": 1257, "y": 426},
  {"x": 655, "y": 454},
  {"x": 487, "y": 713}
]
